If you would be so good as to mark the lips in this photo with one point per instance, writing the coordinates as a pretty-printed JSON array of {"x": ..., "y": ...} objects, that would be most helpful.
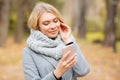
[{"x": 53, "y": 32}]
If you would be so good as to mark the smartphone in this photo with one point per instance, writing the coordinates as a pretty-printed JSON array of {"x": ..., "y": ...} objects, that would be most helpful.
[{"x": 68, "y": 48}]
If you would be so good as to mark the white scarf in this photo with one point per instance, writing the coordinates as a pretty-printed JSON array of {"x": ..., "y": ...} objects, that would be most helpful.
[{"x": 41, "y": 44}]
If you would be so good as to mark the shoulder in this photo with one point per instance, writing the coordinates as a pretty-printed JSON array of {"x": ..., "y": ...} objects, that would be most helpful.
[
  {"x": 27, "y": 52},
  {"x": 29, "y": 55}
]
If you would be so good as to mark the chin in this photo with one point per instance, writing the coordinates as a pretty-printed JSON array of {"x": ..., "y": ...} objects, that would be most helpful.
[{"x": 53, "y": 36}]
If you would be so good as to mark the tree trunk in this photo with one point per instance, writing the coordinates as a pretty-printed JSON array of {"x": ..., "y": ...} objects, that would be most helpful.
[
  {"x": 23, "y": 6},
  {"x": 79, "y": 14},
  {"x": 76, "y": 15},
  {"x": 110, "y": 29},
  {"x": 19, "y": 28},
  {"x": 82, "y": 27},
  {"x": 4, "y": 21}
]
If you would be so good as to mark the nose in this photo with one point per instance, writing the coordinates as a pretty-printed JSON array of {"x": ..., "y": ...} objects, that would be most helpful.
[{"x": 52, "y": 25}]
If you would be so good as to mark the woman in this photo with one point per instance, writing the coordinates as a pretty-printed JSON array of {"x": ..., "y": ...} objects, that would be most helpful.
[{"x": 43, "y": 58}]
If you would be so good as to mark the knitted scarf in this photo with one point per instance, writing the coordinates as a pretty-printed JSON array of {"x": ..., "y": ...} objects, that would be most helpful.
[{"x": 41, "y": 44}]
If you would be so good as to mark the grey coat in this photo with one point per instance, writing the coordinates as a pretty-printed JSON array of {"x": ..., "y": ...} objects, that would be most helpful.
[{"x": 41, "y": 67}]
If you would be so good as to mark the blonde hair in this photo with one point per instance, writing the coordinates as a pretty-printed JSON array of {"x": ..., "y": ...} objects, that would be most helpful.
[{"x": 40, "y": 8}]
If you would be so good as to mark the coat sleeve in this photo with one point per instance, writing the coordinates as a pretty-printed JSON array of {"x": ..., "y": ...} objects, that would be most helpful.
[
  {"x": 82, "y": 67},
  {"x": 30, "y": 69}
]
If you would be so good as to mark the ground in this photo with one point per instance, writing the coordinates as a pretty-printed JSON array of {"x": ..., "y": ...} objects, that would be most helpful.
[{"x": 105, "y": 65}]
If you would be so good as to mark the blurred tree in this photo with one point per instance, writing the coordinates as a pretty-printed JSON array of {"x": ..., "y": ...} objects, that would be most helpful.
[
  {"x": 82, "y": 19},
  {"x": 23, "y": 7},
  {"x": 110, "y": 27},
  {"x": 19, "y": 26},
  {"x": 75, "y": 16},
  {"x": 79, "y": 17},
  {"x": 4, "y": 20}
]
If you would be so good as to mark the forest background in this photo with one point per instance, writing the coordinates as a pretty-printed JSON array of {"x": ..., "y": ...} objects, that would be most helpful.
[{"x": 94, "y": 23}]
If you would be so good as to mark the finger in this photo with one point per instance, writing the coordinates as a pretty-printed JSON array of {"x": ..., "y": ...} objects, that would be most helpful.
[
  {"x": 70, "y": 59},
  {"x": 71, "y": 64},
  {"x": 65, "y": 56},
  {"x": 64, "y": 27}
]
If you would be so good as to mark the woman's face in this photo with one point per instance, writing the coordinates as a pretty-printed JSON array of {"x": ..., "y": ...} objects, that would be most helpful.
[{"x": 49, "y": 24}]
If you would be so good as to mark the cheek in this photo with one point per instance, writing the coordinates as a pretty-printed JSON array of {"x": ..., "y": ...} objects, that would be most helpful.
[
  {"x": 58, "y": 24},
  {"x": 44, "y": 29}
]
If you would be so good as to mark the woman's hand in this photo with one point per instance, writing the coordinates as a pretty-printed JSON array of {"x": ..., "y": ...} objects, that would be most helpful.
[
  {"x": 65, "y": 33},
  {"x": 65, "y": 64}
]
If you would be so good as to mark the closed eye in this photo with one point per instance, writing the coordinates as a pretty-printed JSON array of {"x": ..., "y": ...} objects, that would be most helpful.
[
  {"x": 55, "y": 20},
  {"x": 46, "y": 22}
]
